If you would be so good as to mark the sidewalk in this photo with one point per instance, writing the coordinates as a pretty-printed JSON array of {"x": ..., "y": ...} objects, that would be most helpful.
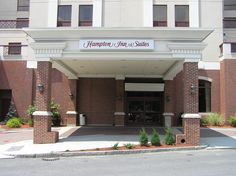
[{"x": 72, "y": 140}]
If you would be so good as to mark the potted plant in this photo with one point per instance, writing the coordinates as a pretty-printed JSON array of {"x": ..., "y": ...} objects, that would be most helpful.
[{"x": 56, "y": 117}]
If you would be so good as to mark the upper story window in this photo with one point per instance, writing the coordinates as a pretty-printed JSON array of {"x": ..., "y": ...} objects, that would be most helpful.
[
  {"x": 22, "y": 22},
  {"x": 181, "y": 16},
  {"x": 229, "y": 22},
  {"x": 14, "y": 49},
  {"x": 64, "y": 15},
  {"x": 233, "y": 47},
  {"x": 23, "y": 5},
  {"x": 159, "y": 15},
  {"x": 85, "y": 15}
]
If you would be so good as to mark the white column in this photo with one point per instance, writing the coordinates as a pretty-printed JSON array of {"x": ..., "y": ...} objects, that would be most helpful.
[
  {"x": 171, "y": 15},
  {"x": 52, "y": 13},
  {"x": 194, "y": 13},
  {"x": 75, "y": 15},
  {"x": 97, "y": 13},
  {"x": 148, "y": 13}
]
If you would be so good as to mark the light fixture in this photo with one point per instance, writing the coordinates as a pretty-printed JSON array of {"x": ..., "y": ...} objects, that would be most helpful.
[
  {"x": 71, "y": 95},
  {"x": 193, "y": 89},
  {"x": 167, "y": 98},
  {"x": 40, "y": 88}
]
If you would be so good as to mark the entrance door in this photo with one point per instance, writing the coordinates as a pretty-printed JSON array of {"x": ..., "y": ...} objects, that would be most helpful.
[
  {"x": 5, "y": 101},
  {"x": 144, "y": 108}
]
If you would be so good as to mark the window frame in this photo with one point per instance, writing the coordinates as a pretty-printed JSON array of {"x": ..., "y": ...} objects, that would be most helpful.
[
  {"x": 182, "y": 23},
  {"x": 14, "y": 48},
  {"x": 64, "y": 23},
  {"x": 22, "y": 7},
  {"x": 85, "y": 23},
  {"x": 160, "y": 23}
]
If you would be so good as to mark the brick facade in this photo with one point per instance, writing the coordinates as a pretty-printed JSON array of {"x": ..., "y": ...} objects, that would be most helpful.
[{"x": 119, "y": 109}]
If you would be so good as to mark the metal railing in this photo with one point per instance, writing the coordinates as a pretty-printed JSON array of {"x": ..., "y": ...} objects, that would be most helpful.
[
  {"x": 181, "y": 23},
  {"x": 14, "y": 23},
  {"x": 159, "y": 23}
]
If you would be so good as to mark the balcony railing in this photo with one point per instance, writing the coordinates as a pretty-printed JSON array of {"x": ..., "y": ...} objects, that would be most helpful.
[
  {"x": 14, "y": 23},
  {"x": 12, "y": 50},
  {"x": 63, "y": 23},
  {"x": 159, "y": 23},
  {"x": 230, "y": 23},
  {"x": 86, "y": 23}
]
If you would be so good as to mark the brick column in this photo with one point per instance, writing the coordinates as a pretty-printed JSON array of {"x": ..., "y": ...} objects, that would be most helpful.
[
  {"x": 71, "y": 119},
  {"x": 42, "y": 115},
  {"x": 191, "y": 118},
  {"x": 119, "y": 110}
]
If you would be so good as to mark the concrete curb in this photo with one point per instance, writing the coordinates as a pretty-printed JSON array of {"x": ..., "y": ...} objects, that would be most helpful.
[{"x": 102, "y": 153}]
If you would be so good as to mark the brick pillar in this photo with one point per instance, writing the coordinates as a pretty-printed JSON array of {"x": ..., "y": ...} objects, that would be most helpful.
[
  {"x": 71, "y": 119},
  {"x": 169, "y": 101},
  {"x": 42, "y": 115},
  {"x": 227, "y": 88},
  {"x": 119, "y": 110},
  {"x": 191, "y": 118}
]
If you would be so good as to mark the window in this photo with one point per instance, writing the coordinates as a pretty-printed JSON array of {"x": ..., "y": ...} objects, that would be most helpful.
[
  {"x": 182, "y": 16},
  {"x": 14, "y": 49},
  {"x": 204, "y": 96},
  {"x": 64, "y": 15},
  {"x": 22, "y": 22},
  {"x": 85, "y": 15},
  {"x": 233, "y": 47},
  {"x": 159, "y": 15},
  {"x": 229, "y": 22},
  {"x": 23, "y": 5}
]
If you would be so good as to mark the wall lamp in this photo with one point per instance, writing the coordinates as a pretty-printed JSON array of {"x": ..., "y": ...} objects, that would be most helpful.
[
  {"x": 40, "y": 88},
  {"x": 193, "y": 89},
  {"x": 167, "y": 98},
  {"x": 71, "y": 95}
]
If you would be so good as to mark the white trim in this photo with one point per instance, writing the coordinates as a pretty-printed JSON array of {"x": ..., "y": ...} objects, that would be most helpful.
[
  {"x": 52, "y": 13},
  {"x": 32, "y": 64},
  {"x": 59, "y": 65},
  {"x": 205, "y": 78},
  {"x": 120, "y": 77},
  {"x": 97, "y": 13},
  {"x": 194, "y": 13},
  {"x": 168, "y": 114},
  {"x": 42, "y": 113},
  {"x": 154, "y": 87},
  {"x": 173, "y": 71},
  {"x": 119, "y": 113},
  {"x": 209, "y": 65},
  {"x": 71, "y": 113},
  {"x": 148, "y": 13},
  {"x": 191, "y": 116}
]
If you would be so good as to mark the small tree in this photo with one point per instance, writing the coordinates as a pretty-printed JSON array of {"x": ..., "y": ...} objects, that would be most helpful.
[
  {"x": 11, "y": 111},
  {"x": 56, "y": 117},
  {"x": 31, "y": 109},
  {"x": 143, "y": 137},
  {"x": 155, "y": 140},
  {"x": 169, "y": 137}
]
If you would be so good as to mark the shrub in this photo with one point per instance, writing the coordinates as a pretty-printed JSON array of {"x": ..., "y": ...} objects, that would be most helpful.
[
  {"x": 13, "y": 123},
  {"x": 232, "y": 121},
  {"x": 21, "y": 120},
  {"x": 213, "y": 119},
  {"x": 155, "y": 140},
  {"x": 129, "y": 146},
  {"x": 31, "y": 122},
  {"x": 115, "y": 146},
  {"x": 31, "y": 109},
  {"x": 143, "y": 138},
  {"x": 169, "y": 137}
]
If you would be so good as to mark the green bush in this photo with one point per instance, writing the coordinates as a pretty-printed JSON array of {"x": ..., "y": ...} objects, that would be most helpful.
[
  {"x": 115, "y": 146},
  {"x": 31, "y": 122},
  {"x": 31, "y": 109},
  {"x": 13, "y": 123},
  {"x": 169, "y": 137},
  {"x": 213, "y": 119},
  {"x": 143, "y": 138},
  {"x": 129, "y": 146},
  {"x": 232, "y": 121},
  {"x": 21, "y": 120},
  {"x": 155, "y": 140}
]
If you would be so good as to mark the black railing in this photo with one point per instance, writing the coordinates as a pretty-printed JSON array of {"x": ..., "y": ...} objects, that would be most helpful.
[{"x": 14, "y": 23}]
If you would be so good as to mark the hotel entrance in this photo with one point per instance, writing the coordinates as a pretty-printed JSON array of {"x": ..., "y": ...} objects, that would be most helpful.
[{"x": 144, "y": 108}]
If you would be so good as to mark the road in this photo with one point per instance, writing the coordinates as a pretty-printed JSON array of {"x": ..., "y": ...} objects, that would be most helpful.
[{"x": 183, "y": 163}]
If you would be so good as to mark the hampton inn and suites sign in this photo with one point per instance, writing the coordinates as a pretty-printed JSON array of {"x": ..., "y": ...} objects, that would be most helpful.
[{"x": 116, "y": 44}]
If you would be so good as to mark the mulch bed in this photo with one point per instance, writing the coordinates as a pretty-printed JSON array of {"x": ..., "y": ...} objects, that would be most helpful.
[{"x": 25, "y": 126}]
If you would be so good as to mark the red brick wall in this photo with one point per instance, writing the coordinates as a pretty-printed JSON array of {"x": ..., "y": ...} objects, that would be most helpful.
[
  {"x": 61, "y": 90},
  {"x": 228, "y": 87},
  {"x": 16, "y": 77},
  {"x": 96, "y": 99},
  {"x": 215, "y": 87}
]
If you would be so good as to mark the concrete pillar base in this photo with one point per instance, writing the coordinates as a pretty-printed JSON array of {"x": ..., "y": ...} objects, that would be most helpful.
[
  {"x": 168, "y": 118},
  {"x": 71, "y": 119},
  {"x": 119, "y": 118}
]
